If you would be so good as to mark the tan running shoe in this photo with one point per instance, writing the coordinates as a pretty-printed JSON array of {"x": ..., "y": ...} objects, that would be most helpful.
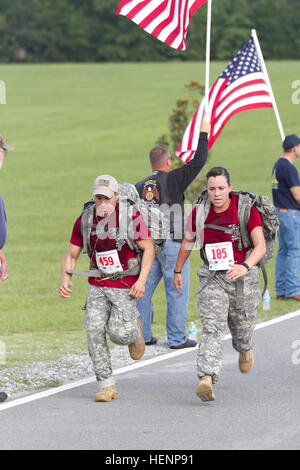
[
  {"x": 137, "y": 348},
  {"x": 204, "y": 389},
  {"x": 107, "y": 393},
  {"x": 246, "y": 361}
]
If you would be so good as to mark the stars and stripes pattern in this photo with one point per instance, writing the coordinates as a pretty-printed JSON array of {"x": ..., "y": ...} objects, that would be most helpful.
[
  {"x": 167, "y": 20},
  {"x": 241, "y": 86}
]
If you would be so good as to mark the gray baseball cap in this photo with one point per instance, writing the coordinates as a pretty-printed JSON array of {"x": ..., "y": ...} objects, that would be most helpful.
[
  {"x": 4, "y": 145},
  {"x": 106, "y": 185}
]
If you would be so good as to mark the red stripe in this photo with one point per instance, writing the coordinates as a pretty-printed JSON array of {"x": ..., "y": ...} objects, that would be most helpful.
[
  {"x": 192, "y": 127},
  {"x": 243, "y": 85},
  {"x": 165, "y": 23},
  {"x": 158, "y": 10},
  {"x": 214, "y": 107},
  {"x": 241, "y": 97},
  {"x": 179, "y": 30},
  {"x": 131, "y": 14},
  {"x": 213, "y": 138},
  {"x": 121, "y": 5},
  {"x": 195, "y": 7}
]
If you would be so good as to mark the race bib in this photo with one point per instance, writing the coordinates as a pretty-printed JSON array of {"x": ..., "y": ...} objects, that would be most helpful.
[
  {"x": 219, "y": 255},
  {"x": 109, "y": 261}
]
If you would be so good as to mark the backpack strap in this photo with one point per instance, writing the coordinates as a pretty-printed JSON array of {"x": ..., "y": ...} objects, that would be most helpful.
[
  {"x": 227, "y": 230},
  {"x": 134, "y": 271},
  {"x": 87, "y": 225},
  {"x": 245, "y": 203},
  {"x": 203, "y": 206}
]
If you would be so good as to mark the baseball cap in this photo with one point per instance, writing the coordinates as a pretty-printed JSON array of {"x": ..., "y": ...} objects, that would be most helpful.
[
  {"x": 290, "y": 141},
  {"x": 4, "y": 145},
  {"x": 106, "y": 185}
]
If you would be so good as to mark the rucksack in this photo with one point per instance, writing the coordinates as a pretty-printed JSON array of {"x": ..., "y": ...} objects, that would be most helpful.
[
  {"x": 246, "y": 199},
  {"x": 129, "y": 202}
]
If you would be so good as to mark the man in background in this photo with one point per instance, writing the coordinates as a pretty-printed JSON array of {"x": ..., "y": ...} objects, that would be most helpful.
[
  {"x": 286, "y": 198},
  {"x": 3, "y": 231},
  {"x": 165, "y": 188}
]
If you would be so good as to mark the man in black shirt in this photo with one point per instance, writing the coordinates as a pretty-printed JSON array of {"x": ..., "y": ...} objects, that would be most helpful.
[{"x": 165, "y": 187}]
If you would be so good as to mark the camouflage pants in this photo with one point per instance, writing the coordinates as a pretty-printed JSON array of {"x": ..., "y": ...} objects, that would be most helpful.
[
  {"x": 113, "y": 311},
  {"x": 222, "y": 301}
]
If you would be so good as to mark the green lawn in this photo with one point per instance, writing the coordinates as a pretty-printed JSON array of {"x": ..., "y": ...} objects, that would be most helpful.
[{"x": 70, "y": 123}]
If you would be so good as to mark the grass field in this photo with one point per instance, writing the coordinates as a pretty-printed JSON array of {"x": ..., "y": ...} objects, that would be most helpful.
[{"x": 70, "y": 123}]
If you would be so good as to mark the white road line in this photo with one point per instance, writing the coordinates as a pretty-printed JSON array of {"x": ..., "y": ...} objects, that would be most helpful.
[{"x": 122, "y": 370}]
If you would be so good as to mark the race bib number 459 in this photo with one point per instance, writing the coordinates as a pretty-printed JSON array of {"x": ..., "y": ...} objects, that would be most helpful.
[
  {"x": 109, "y": 261},
  {"x": 219, "y": 255}
]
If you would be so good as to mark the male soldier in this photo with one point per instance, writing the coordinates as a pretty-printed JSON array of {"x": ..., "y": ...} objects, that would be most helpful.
[
  {"x": 3, "y": 264},
  {"x": 114, "y": 285},
  {"x": 165, "y": 187},
  {"x": 286, "y": 198}
]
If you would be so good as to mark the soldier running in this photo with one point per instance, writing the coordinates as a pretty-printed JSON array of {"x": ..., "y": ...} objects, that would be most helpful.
[
  {"x": 229, "y": 279},
  {"x": 114, "y": 285}
]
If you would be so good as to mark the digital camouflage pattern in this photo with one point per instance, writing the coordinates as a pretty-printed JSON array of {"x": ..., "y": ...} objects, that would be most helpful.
[
  {"x": 113, "y": 311},
  {"x": 217, "y": 306}
]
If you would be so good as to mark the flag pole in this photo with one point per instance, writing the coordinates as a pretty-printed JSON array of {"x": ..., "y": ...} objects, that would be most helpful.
[
  {"x": 262, "y": 62},
  {"x": 208, "y": 31}
]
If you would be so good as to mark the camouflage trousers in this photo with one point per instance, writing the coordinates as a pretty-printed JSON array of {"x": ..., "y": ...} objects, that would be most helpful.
[
  {"x": 113, "y": 311},
  {"x": 223, "y": 302}
]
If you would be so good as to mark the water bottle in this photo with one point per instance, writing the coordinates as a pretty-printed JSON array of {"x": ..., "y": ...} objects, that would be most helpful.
[
  {"x": 266, "y": 300},
  {"x": 193, "y": 331}
]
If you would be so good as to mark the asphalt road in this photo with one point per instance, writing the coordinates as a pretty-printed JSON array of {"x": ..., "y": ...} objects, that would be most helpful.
[{"x": 158, "y": 407}]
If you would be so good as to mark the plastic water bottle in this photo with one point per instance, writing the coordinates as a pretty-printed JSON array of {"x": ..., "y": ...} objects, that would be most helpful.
[
  {"x": 193, "y": 331},
  {"x": 266, "y": 300}
]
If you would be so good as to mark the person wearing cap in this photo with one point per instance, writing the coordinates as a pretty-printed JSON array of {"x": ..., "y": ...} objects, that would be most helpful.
[
  {"x": 286, "y": 199},
  {"x": 114, "y": 286},
  {"x": 4, "y": 148},
  {"x": 165, "y": 187}
]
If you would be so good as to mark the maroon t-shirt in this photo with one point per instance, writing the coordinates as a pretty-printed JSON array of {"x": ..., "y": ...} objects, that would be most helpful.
[
  {"x": 109, "y": 241},
  {"x": 228, "y": 218}
]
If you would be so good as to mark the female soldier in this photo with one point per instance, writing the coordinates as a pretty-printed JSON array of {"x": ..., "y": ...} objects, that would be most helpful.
[{"x": 229, "y": 286}]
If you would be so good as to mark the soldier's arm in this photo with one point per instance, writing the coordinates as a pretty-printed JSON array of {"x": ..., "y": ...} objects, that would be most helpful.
[
  {"x": 68, "y": 262},
  {"x": 183, "y": 176},
  {"x": 184, "y": 253},
  {"x": 138, "y": 288},
  {"x": 259, "y": 250}
]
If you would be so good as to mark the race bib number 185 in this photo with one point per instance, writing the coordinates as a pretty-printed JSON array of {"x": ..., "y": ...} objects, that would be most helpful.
[{"x": 219, "y": 255}]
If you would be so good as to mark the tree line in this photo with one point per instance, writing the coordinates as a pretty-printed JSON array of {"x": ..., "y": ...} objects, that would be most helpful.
[{"x": 89, "y": 31}]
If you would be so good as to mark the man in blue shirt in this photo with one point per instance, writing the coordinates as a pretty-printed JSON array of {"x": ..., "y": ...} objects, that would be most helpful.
[
  {"x": 286, "y": 198},
  {"x": 3, "y": 265}
]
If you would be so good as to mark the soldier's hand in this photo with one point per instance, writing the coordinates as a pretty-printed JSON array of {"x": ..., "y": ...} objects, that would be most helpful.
[
  {"x": 65, "y": 290},
  {"x": 236, "y": 271},
  {"x": 138, "y": 289}
]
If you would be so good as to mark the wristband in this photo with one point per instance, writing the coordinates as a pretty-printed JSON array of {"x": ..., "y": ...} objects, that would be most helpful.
[
  {"x": 246, "y": 266},
  {"x": 177, "y": 272}
]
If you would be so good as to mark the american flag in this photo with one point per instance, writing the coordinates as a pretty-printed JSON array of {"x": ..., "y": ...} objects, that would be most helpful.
[
  {"x": 240, "y": 86},
  {"x": 167, "y": 20}
]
